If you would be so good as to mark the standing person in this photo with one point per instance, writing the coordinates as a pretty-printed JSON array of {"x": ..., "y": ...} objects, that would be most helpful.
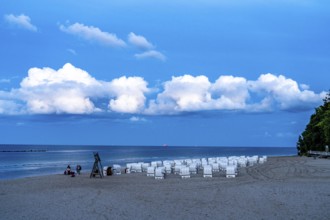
[{"x": 78, "y": 168}]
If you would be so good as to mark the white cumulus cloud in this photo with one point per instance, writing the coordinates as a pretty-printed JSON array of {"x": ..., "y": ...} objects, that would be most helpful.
[
  {"x": 93, "y": 34},
  {"x": 189, "y": 93},
  {"x": 67, "y": 90},
  {"x": 22, "y": 21},
  {"x": 70, "y": 90},
  {"x": 183, "y": 93},
  {"x": 230, "y": 92},
  {"x": 284, "y": 92},
  {"x": 129, "y": 94}
]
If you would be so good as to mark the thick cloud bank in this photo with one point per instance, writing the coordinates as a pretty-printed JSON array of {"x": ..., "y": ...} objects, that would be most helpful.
[{"x": 71, "y": 90}]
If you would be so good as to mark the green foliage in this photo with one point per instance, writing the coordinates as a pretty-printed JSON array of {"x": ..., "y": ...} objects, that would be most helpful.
[{"x": 317, "y": 133}]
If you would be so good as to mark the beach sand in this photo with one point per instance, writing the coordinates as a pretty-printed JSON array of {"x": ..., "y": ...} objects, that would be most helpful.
[{"x": 282, "y": 188}]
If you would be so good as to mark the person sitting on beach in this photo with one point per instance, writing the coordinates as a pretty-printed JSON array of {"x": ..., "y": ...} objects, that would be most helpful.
[
  {"x": 78, "y": 168},
  {"x": 68, "y": 170}
]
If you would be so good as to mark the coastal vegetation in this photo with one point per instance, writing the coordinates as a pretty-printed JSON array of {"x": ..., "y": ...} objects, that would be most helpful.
[{"x": 317, "y": 132}]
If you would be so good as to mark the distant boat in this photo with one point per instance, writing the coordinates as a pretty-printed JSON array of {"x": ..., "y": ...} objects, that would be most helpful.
[{"x": 165, "y": 145}]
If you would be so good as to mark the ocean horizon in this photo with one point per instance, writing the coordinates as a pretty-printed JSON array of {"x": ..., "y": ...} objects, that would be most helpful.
[{"x": 19, "y": 161}]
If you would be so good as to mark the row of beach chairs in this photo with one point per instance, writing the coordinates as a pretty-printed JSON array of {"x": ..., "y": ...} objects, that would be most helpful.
[{"x": 187, "y": 167}]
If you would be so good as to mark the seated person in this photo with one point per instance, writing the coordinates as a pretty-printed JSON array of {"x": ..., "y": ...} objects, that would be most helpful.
[{"x": 68, "y": 170}]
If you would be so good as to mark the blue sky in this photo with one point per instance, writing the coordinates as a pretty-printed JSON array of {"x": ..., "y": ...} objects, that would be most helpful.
[{"x": 215, "y": 73}]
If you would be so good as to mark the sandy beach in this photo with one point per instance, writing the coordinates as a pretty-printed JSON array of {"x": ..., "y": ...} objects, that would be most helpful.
[{"x": 282, "y": 188}]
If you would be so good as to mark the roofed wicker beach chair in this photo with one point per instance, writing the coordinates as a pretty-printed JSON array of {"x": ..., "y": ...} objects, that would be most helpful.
[
  {"x": 105, "y": 171},
  {"x": 207, "y": 171},
  {"x": 262, "y": 159},
  {"x": 184, "y": 172},
  {"x": 178, "y": 162},
  {"x": 204, "y": 162},
  {"x": 168, "y": 162},
  {"x": 252, "y": 160},
  {"x": 116, "y": 169},
  {"x": 211, "y": 160},
  {"x": 177, "y": 168},
  {"x": 215, "y": 167},
  {"x": 151, "y": 171},
  {"x": 188, "y": 161},
  {"x": 193, "y": 168},
  {"x": 159, "y": 173},
  {"x": 231, "y": 171},
  {"x": 153, "y": 163},
  {"x": 168, "y": 168},
  {"x": 136, "y": 168},
  {"x": 128, "y": 167},
  {"x": 242, "y": 162},
  {"x": 223, "y": 165},
  {"x": 145, "y": 166}
]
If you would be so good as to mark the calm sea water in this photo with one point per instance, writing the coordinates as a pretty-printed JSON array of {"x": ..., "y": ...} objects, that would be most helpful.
[{"x": 17, "y": 161}]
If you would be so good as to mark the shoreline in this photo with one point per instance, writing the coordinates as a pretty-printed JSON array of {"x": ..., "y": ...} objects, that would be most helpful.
[
  {"x": 87, "y": 171},
  {"x": 288, "y": 187}
]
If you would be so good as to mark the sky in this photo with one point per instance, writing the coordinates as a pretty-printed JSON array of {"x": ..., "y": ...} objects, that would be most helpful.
[{"x": 142, "y": 72}]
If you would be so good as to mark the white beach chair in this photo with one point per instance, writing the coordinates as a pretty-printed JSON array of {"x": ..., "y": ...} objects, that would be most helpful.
[
  {"x": 184, "y": 172},
  {"x": 215, "y": 167},
  {"x": 211, "y": 160},
  {"x": 128, "y": 167},
  {"x": 136, "y": 168},
  {"x": 153, "y": 163},
  {"x": 231, "y": 171},
  {"x": 223, "y": 165},
  {"x": 168, "y": 168},
  {"x": 168, "y": 162},
  {"x": 193, "y": 168},
  {"x": 188, "y": 161},
  {"x": 242, "y": 162},
  {"x": 145, "y": 166},
  {"x": 207, "y": 171},
  {"x": 252, "y": 160},
  {"x": 262, "y": 159},
  {"x": 116, "y": 169},
  {"x": 204, "y": 162},
  {"x": 197, "y": 161},
  {"x": 177, "y": 168},
  {"x": 151, "y": 171},
  {"x": 159, "y": 173},
  {"x": 105, "y": 171},
  {"x": 178, "y": 162}
]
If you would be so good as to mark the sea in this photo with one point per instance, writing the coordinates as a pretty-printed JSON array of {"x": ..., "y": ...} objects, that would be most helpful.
[{"x": 19, "y": 161}]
